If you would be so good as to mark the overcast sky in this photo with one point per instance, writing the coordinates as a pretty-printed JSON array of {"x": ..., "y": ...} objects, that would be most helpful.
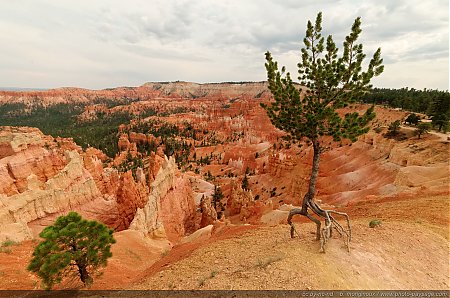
[{"x": 107, "y": 43}]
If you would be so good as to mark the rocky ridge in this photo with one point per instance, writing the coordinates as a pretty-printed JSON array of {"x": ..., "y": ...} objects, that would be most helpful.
[
  {"x": 43, "y": 178},
  {"x": 148, "y": 91}
]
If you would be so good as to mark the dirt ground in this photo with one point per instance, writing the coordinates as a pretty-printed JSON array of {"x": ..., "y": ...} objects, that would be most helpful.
[
  {"x": 407, "y": 251},
  {"x": 388, "y": 257},
  {"x": 132, "y": 260}
]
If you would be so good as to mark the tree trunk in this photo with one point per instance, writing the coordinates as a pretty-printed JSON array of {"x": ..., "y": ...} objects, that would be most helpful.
[
  {"x": 309, "y": 196},
  {"x": 84, "y": 275},
  {"x": 308, "y": 202}
]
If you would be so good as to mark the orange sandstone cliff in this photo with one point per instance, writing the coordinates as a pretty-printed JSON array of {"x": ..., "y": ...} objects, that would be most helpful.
[{"x": 42, "y": 178}]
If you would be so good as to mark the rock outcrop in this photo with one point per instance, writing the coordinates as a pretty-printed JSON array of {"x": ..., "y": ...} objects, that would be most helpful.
[
  {"x": 148, "y": 91},
  {"x": 178, "y": 210},
  {"x": 70, "y": 187},
  {"x": 148, "y": 218},
  {"x": 42, "y": 178},
  {"x": 209, "y": 214},
  {"x": 239, "y": 202}
]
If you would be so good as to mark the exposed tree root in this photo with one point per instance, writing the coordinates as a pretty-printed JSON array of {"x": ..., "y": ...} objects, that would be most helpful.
[{"x": 325, "y": 233}]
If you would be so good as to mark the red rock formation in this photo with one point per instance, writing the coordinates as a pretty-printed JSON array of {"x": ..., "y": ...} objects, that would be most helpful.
[
  {"x": 178, "y": 210},
  {"x": 130, "y": 197},
  {"x": 239, "y": 199},
  {"x": 38, "y": 185},
  {"x": 75, "y": 95},
  {"x": 231, "y": 127},
  {"x": 209, "y": 214},
  {"x": 175, "y": 90},
  {"x": 23, "y": 161},
  {"x": 124, "y": 144}
]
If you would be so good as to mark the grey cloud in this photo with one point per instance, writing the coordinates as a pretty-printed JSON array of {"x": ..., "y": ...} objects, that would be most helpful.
[
  {"x": 289, "y": 4},
  {"x": 393, "y": 19},
  {"x": 427, "y": 52},
  {"x": 96, "y": 42},
  {"x": 159, "y": 53}
]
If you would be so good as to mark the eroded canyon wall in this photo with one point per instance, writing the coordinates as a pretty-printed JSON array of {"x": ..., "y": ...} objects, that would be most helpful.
[{"x": 42, "y": 178}]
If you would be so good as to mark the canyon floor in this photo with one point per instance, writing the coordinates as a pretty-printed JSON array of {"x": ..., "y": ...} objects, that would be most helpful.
[{"x": 409, "y": 250}]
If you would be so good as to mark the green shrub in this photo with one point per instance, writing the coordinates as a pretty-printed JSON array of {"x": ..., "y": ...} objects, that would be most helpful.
[
  {"x": 9, "y": 243},
  {"x": 394, "y": 128},
  {"x": 374, "y": 223}
]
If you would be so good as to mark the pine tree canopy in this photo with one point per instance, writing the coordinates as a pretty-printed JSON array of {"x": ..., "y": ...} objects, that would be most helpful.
[
  {"x": 72, "y": 246},
  {"x": 330, "y": 82},
  {"x": 441, "y": 111}
]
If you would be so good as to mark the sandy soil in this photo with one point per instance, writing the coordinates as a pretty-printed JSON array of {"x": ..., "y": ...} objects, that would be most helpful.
[
  {"x": 443, "y": 137},
  {"x": 133, "y": 258}
]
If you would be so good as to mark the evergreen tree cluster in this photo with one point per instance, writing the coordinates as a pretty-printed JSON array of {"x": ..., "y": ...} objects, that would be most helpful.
[
  {"x": 440, "y": 112},
  {"x": 61, "y": 120},
  {"x": 419, "y": 101},
  {"x": 101, "y": 132}
]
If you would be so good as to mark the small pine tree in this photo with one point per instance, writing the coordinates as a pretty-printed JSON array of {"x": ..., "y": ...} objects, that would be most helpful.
[
  {"x": 245, "y": 182},
  {"x": 217, "y": 196},
  {"x": 247, "y": 170},
  {"x": 394, "y": 128},
  {"x": 71, "y": 246},
  {"x": 422, "y": 128},
  {"x": 412, "y": 119}
]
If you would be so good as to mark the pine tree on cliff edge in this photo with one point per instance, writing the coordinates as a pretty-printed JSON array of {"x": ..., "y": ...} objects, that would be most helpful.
[{"x": 332, "y": 82}]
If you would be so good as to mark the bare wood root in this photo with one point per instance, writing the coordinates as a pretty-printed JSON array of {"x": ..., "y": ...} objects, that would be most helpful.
[
  {"x": 289, "y": 220},
  {"x": 346, "y": 233},
  {"x": 331, "y": 223},
  {"x": 293, "y": 229},
  {"x": 326, "y": 232},
  {"x": 301, "y": 212},
  {"x": 349, "y": 229}
]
